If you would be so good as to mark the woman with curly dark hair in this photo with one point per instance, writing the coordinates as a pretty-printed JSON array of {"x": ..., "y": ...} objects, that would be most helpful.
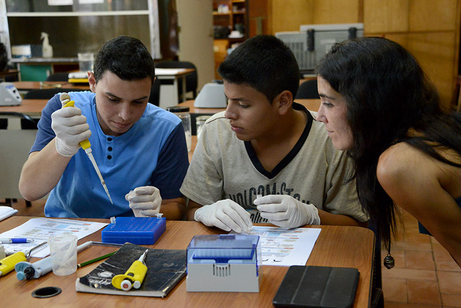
[{"x": 379, "y": 106}]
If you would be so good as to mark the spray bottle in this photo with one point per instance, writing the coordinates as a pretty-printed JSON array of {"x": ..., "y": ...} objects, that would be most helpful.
[{"x": 47, "y": 49}]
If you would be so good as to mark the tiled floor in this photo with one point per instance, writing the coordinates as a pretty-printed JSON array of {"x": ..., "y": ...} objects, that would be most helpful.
[{"x": 425, "y": 275}]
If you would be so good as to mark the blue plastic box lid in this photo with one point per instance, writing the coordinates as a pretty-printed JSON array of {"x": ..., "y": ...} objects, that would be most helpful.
[{"x": 136, "y": 230}]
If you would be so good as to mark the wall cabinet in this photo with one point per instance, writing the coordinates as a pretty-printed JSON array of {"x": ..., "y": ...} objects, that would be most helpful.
[
  {"x": 231, "y": 14},
  {"x": 230, "y": 21}
]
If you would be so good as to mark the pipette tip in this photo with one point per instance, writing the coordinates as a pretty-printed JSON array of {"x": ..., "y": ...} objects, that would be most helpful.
[{"x": 107, "y": 192}]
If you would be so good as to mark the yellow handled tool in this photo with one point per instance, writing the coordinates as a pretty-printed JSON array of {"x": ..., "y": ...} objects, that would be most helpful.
[
  {"x": 85, "y": 144},
  {"x": 7, "y": 264},
  {"x": 133, "y": 277}
]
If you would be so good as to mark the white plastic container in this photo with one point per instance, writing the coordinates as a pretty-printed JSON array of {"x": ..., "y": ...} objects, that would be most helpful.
[{"x": 63, "y": 250}]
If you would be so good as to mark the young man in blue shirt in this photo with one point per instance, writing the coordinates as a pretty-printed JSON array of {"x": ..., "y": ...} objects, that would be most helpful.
[{"x": 140, "y": 149}]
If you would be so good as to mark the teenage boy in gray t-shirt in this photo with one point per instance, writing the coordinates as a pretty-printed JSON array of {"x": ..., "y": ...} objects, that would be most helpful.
[{"x": 266, "y": 152}]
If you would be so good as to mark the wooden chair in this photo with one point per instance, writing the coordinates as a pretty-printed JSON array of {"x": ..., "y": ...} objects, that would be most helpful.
[
  {"x": 58, "y": 77},
  {"x": 155, "y": 93},
  {"x": 46, "y": 93}
]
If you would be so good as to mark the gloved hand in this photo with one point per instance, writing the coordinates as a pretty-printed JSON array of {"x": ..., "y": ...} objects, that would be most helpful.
[
  {"x": 226, "y": 215},
  {"x": 145, "y": 201},
  {"x": 287, "y": 212},
  {"x": 70, "y": 128}
]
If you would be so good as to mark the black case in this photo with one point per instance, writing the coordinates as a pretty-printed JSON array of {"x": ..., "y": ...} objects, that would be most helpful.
[{"x": 318, "y": 287}]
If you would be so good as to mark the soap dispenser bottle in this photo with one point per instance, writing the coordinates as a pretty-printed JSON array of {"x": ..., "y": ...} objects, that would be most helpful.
[{"x": 47, "y": 49}]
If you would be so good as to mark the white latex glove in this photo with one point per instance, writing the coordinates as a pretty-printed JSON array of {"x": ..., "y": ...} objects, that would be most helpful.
[
  {"x": 145, "y": 201},
  {"x": 226, "y": 215},
  {"x": 287, "y": 212},
  {"x": 70, "y": 128}
]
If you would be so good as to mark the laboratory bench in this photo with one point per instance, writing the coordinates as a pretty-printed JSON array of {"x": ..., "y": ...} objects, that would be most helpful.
[
  {"x": 338, "y": 246},
  {"x": 30, "y": 107}
]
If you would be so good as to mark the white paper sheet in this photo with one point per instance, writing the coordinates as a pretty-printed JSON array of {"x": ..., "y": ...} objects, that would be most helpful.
[
  {"x": 41, "y": 229},
  {"x": 286, "y": 247},
  {"x": 6, "y": 211}
]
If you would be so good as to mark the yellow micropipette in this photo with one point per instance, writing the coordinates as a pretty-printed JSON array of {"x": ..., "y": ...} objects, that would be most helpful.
[
  {"x": 7, "y": 264},
  {"x": 85, "y": 144},
  {"x": 134, "y": 276}
]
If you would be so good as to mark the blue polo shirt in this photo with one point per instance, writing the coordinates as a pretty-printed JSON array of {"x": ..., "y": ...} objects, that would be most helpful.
[{"x": 153, "y": 152}]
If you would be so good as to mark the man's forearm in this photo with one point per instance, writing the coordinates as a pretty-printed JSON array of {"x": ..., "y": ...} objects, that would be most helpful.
[
  {"x": 174, "y": 209},
  {"x": 41, "y": 172},
  {"x": 339, "y": 220},
  {"x": 191, "y": 208}
]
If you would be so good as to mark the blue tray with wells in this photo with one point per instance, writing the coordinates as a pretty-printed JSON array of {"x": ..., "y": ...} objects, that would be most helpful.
[{"x": 135, "y": 230}]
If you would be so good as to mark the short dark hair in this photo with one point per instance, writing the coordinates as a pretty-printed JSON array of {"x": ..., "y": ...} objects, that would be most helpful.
[
  {"x": 126, "y": 57},
  {"x": 264, "y": 63}
]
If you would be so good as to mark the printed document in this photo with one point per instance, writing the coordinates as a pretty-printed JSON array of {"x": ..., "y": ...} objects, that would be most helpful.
[
  {"x": 286, "y": 247},
  {"x": 41, "y": 229}
]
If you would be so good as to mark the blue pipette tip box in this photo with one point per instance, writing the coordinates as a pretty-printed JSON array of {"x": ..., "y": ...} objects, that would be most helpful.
[
  {"x": 136, "y": 230},
  {"x": 224, "y": 263}
]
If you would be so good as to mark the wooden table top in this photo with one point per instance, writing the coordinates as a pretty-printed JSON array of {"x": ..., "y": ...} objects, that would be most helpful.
[
  {"x": 310, "y": 104},
  {"x": 338, "y": 246},
  {"x": 162, "y": 72},
  {"x": 37, "y": 85},
  {"x": 31, "y": 107}
]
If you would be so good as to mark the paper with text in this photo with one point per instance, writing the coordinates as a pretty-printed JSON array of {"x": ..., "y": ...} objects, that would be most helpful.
[
  {"x": 41, "y": 229},
  {"x": 286, "y": 247}
]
